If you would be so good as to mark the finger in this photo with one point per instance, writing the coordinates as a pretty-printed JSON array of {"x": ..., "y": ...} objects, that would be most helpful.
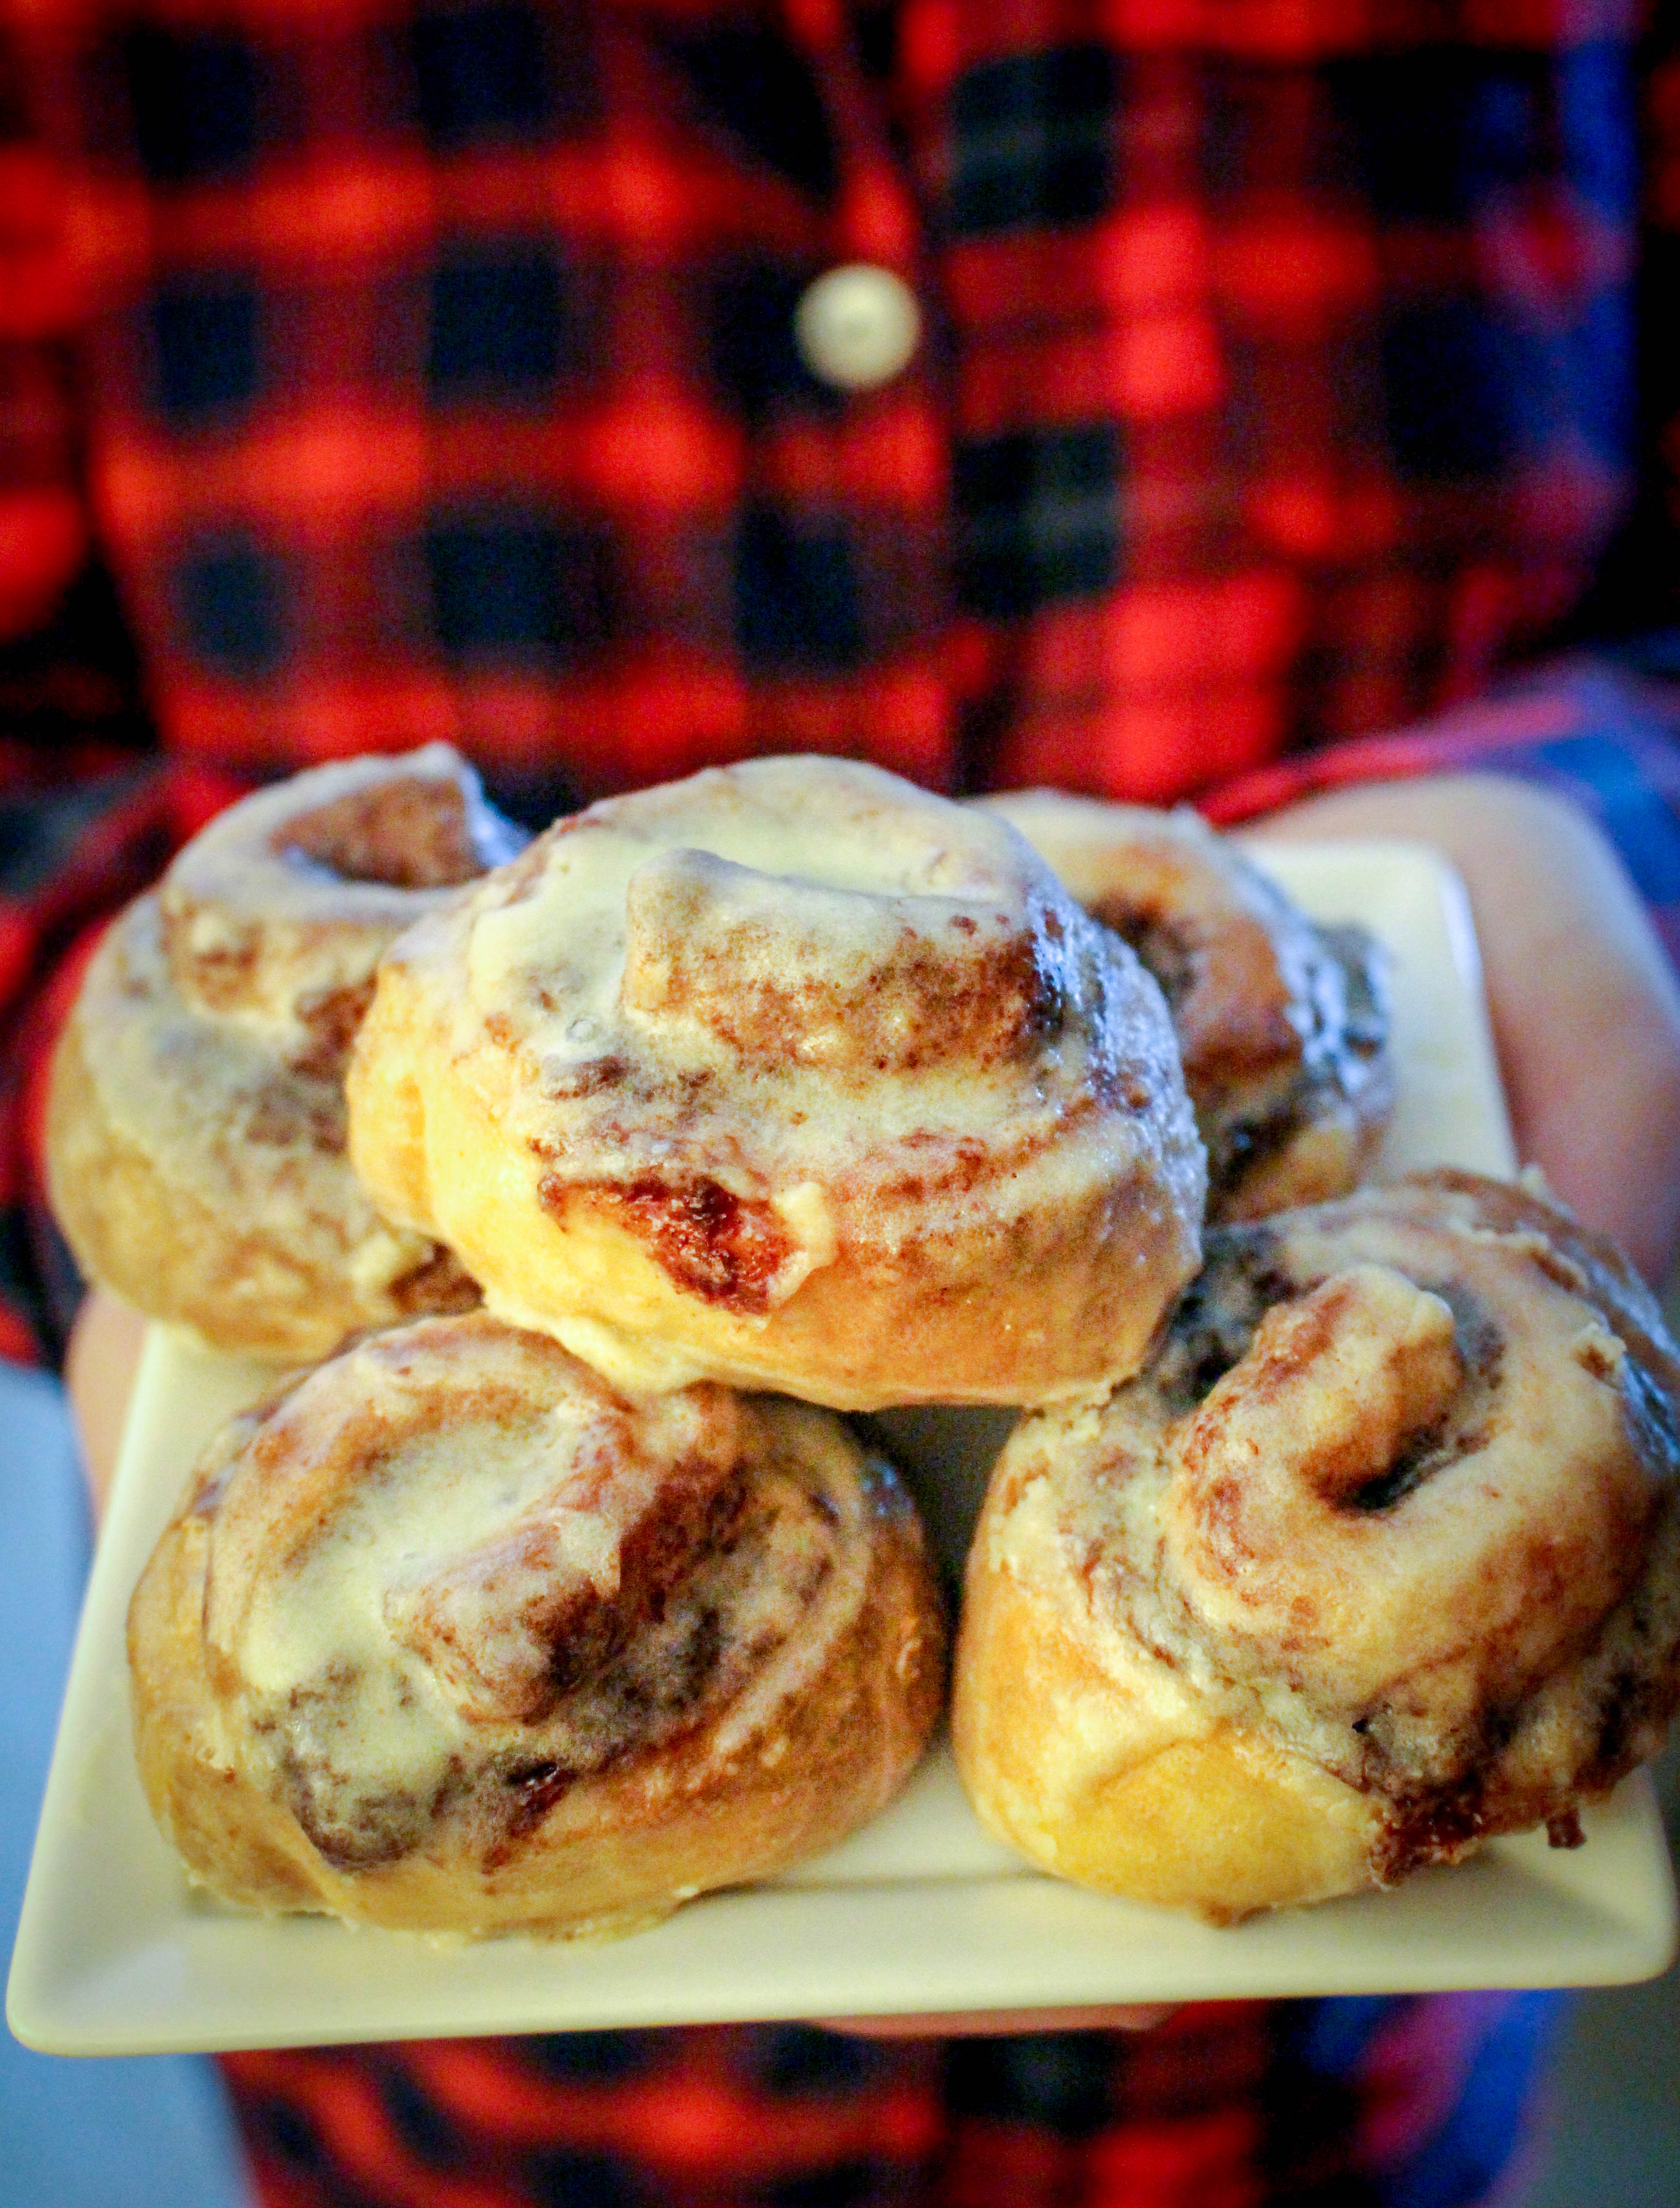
[
  {"x": 977, "y": 2024},
  {"x": 99, "y": 1366}
]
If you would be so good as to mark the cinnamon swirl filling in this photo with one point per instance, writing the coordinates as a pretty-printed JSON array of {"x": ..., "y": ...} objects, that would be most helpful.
[
  {"x": 1398, "y": 1500},
  {"x": 790, "y": 1074},
  {"x": 1284, "y": 1023},
  {"x": 461, "y": 1613},
  {"x": 197, "y": 1122},
  {"x": 274, "y": 916}
]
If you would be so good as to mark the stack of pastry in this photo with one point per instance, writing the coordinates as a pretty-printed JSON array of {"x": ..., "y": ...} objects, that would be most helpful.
[
  {"x": 795, "y": 1080},
  {"x": 790, "y": 1078}
]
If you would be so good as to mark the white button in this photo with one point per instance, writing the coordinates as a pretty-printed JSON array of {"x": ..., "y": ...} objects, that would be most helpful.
[{"x": 857, "y": 327}]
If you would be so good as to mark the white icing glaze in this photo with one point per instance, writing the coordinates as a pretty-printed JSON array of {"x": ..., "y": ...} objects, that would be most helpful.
[
  {"x": 812, "y": 956},
  {"x": 259, "y": 1143},
  {"x": 395, "y": 1564},
  {"x": 1282, "y": 1024},
  {"x": 1221, "y": 1563},
  {"x": 264, "y": 933}
]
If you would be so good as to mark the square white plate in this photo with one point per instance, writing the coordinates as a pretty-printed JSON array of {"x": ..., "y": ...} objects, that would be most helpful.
[{"x": 923, "y": 1911}]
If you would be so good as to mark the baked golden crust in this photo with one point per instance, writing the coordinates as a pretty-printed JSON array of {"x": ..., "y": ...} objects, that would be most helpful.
[
  {"x": 448, "y": 1636},
  {"x": 196, "y": 1121},
  {"x": 793, "y": 1076},
  {"x": 208, "y": 1186},
  {"x": 1284, "y": 1024},
  {"x": 1379, "y": 1556}
]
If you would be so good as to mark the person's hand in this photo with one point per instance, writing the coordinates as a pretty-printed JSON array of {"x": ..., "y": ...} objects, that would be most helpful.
[
  {"x": 99, "y": 1367},
  {"x": 993, "y": 2023},
  {"x": 1584, "y": 1002}
]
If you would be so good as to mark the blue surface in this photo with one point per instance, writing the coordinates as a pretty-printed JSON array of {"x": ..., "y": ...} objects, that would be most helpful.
[{"x": 152, "y": 2132}]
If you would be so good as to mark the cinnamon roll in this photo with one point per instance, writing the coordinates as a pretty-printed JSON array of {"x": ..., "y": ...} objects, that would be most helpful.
[
  {"x": 790, "y": 1074},
  {"x": 450, "y": 1636},
  {"x": 196, "y": 1119},
  {"x": 1284, "y": 1024},
  {"x": 1379, "y": 1556}
]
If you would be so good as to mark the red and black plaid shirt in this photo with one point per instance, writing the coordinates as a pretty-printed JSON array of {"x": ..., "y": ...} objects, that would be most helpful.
[
  {"x": 373, "y": 372},
  {"x": 429, "y": 371}
]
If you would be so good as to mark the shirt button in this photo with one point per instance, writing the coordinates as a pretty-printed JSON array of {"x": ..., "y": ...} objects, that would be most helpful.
[{"x": 857, "y": 327}]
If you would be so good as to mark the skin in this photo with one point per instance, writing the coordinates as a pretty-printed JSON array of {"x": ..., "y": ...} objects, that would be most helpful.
[
  {"x": 99, "y": 1366},
  {"x": 1577, "y": 981},
  {"x": 1583, "y": 1000}
]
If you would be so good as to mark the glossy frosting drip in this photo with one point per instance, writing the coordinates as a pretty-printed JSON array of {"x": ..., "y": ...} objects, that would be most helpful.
[
  {"x": 275, "y": 915},
  {"x": 1282, "y": 1023},
  {"x": 259, "y": 1143},
  {"x": 451, "y": 1573},
  {"x": 757, "y": 991},
  {"x": 1400, "y": 1485},
  {"x": 197, "y": 1124}
]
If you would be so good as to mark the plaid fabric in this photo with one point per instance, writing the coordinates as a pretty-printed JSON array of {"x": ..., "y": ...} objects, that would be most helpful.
[
  {"x": 1327, "y": 2104},
  {"x": 1637, "y": 588},
  {"x": 443, "y": 385},
  {"x": 437, "y": 378}
]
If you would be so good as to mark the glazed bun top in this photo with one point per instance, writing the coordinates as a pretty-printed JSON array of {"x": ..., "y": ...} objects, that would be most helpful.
[
  {"x": 275, "y": 915},
  {"x": 1399, "y": 1482},
  {"x": 1284, "y": 1023},
  {"x": 814, "y": 931},
  {"x": 450, "y": 1572},
  {"x": 785, "y": 1017}
]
